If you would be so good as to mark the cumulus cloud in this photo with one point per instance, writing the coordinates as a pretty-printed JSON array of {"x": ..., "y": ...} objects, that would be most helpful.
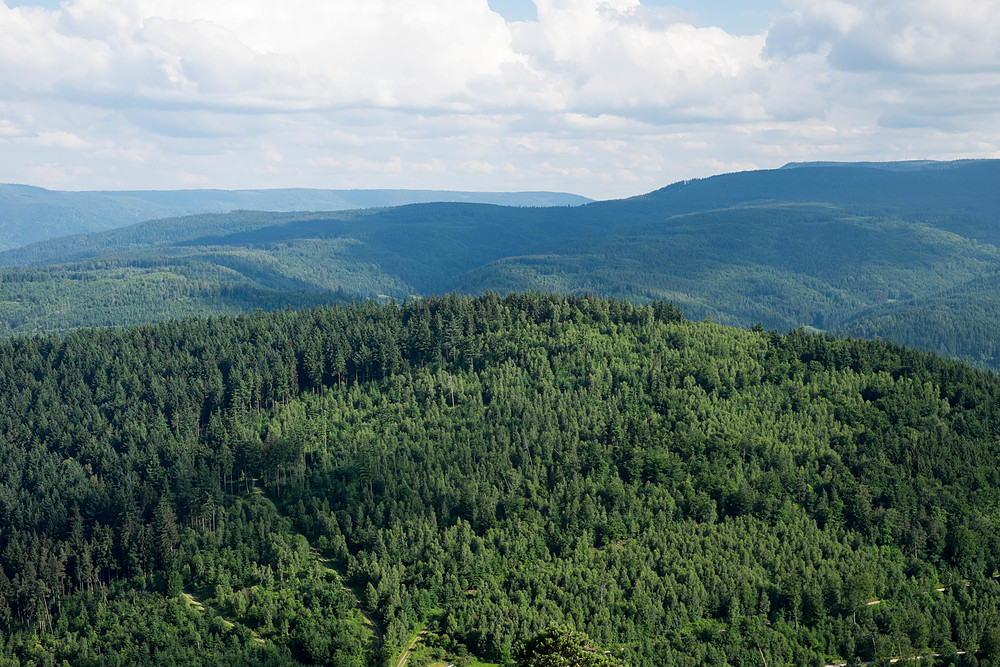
[
  {"x": 605, "y": 97},
  {"x": 255, "y": 53},
  {"x": 425, "y": 54},
  {"x": 910, "y": 63},
  {"x": 61, "y": 140},
  {"x": 611, "y": 56},
  {"x": 919, "y": 36}
]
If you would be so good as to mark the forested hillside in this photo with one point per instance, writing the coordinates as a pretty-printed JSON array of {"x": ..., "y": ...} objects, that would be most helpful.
[
  {"x": 29, "y": 214},
  {"x": 959, "y": 322},
  {"x": 320, "y": 486},
  {"x": 903, "y": 251}
]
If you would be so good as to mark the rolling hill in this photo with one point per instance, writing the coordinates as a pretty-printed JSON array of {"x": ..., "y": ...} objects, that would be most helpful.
[
  {"x": 324, "y": 486},
  {"x": 862, "y": 249},
  {"x": 29, "y": 214}
]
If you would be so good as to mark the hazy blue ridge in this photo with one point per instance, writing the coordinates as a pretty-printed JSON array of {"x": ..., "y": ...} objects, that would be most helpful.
[
  {"x": 902, "y": 165},
  {"x": 909, "y": 255},
  {"x": 29, "y": 214}
]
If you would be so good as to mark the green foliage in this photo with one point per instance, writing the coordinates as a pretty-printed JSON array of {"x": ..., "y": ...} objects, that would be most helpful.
[
  {"x": 990, "y": 646},
  {"x": 959, "y": 322},
  {"x": 64, "y": 298},
  {"x": 906, "y": 254},
  {"x": 559, "y": 646},
  {"x": 482, "y": 468},
  {"x": 783, "y": 265}
]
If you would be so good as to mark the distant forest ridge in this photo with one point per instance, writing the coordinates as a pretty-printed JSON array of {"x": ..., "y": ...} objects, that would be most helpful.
[
  {"x": 29, "y": 214},
  {"x": 902, "y": 165},
  {"x": 906, "y": 252}
]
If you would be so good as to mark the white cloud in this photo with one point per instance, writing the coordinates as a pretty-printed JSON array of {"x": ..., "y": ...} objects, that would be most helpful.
[
  {"x": 9, "y": 129},
  {"x": 37, "y": 56},
  {"x": 920, "y": 36},
  {"x": 611, "y": 56},
  {"x": 59, "y": 139},
  {"x": 603, "y": 97},
  {"x": 446, "y": 55},
  {"x": 913, "y": 64},
  {"x": 256, "y": 53},
  {"x": 57, "y": 175}
]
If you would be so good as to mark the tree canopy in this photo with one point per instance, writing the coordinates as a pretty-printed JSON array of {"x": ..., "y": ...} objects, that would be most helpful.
[{"x": 318, "y": 487}]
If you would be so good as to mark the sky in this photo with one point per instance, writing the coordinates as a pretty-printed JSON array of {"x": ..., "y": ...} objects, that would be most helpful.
[{"x": 604, "y": 98}]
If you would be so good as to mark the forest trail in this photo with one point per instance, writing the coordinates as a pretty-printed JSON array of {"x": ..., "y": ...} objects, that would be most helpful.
[
  {"x": 405, "y": 656},
  {"x": 194, "y": 602},
  {"x": 200, "y": 606},
  {"x": 369, "y": 620},
  {"x": 940, "y": 589}
]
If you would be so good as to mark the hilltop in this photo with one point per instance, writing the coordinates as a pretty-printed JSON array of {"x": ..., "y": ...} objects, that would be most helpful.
[{"x": 322, "y": 487}]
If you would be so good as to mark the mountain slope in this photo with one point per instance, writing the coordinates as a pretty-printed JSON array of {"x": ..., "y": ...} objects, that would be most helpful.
[
  {"x": 29, "y": 214},
  {"x": 783, "y": 265},
  {"x": 817, "y": 246},
  {"x": 958, "y": 322},
  {"x": 684, "y": 493}
]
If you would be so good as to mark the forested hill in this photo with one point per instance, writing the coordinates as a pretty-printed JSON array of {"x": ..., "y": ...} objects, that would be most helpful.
[
  {"x": 321, "y": 486},
  {"x": 29, "y": 214},
  {"x": 903, "y": 251},
  {"x": 960, "y": 197}
]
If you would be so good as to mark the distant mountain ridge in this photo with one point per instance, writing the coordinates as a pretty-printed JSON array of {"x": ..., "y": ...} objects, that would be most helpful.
[
  {"x": 910, "y": 255},
  {"x": 902, "y": 165},
  {"x": 29, "y": 214}
]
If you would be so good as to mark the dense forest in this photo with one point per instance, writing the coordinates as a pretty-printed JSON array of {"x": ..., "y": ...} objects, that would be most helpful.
[
  {"x": 903, "y": 251},
  {"x": 496, "y": 477},
  {"x": 960, "y": 322}
]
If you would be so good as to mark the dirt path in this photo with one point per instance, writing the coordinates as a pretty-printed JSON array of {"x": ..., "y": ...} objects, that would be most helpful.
[
  {"x": 194, "y": 602},
  {"x": 200, "y": 606},
  {"x": 405, "y": 656},
  {"x": 369, "y": 620},
  {"x": 325, "y": 562}
]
